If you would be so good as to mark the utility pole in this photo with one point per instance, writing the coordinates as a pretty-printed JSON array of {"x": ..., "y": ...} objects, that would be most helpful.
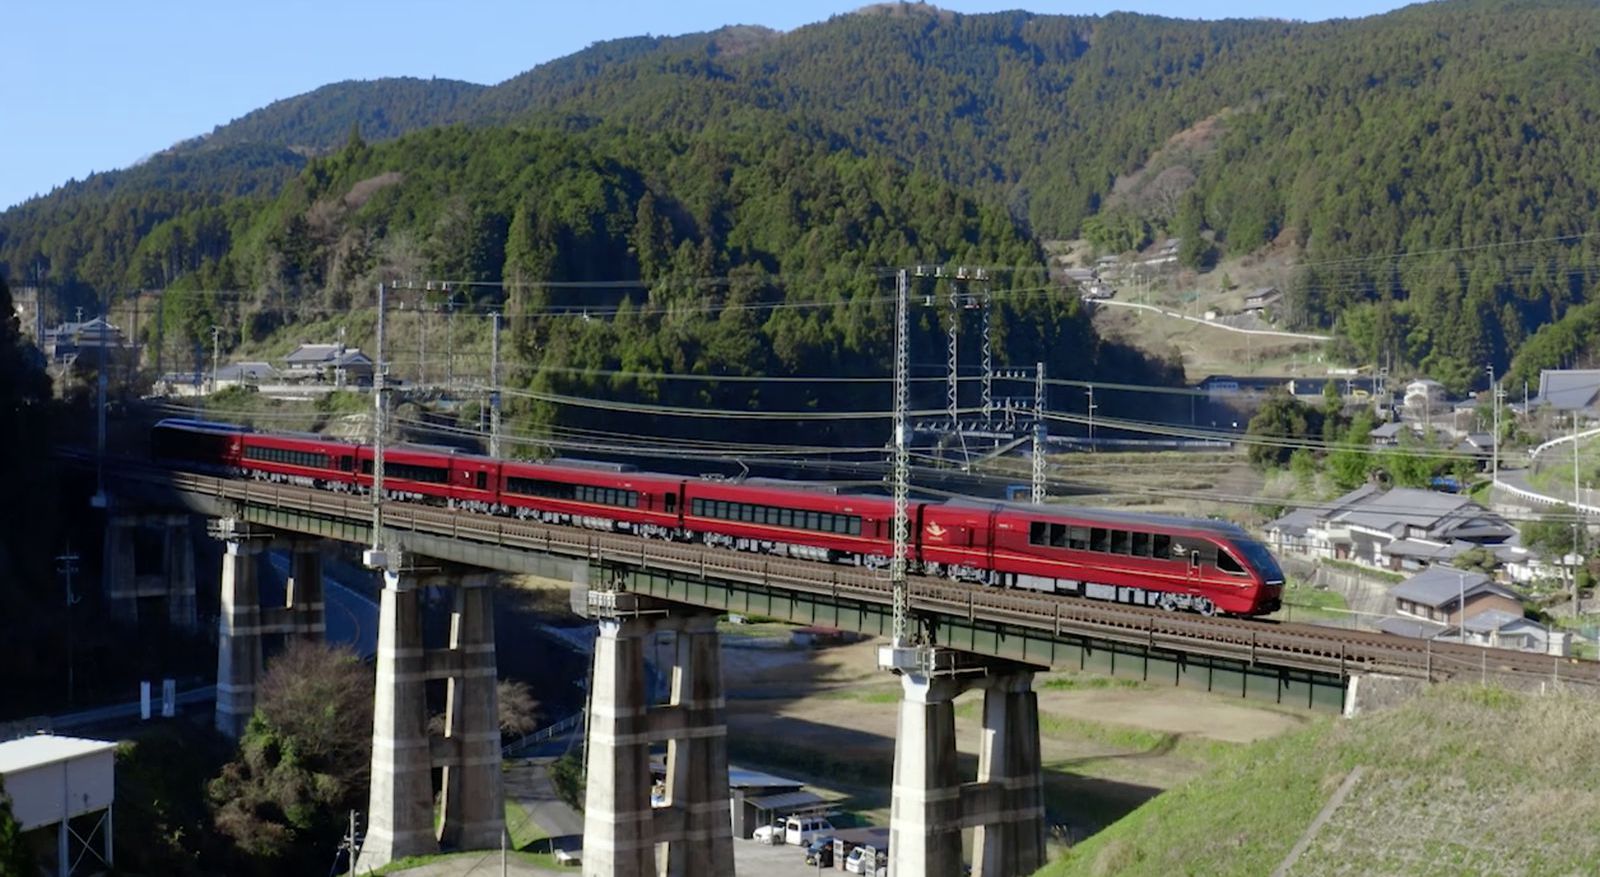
[
  {"x": 1494, "y": 445},
  {"x": 494, "y": 387},
  {"x": 1092, "y": 407},
  {"x": 216, "y": 354},
  {"x": 375, "y": 557},
  {"x": 422, "y": 340},
  {"x": 67, "y": 566},
  {"x": 988, "y": 364},
  {"x": 1038, "y": 434},
  {"x": 450, "y": 338},
  {"x": 100, "y": 500},
  {"x": 1577, "y": 519}
]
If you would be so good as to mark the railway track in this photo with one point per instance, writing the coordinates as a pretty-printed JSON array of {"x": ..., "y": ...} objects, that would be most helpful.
[{"x": 1292, "y": 645}]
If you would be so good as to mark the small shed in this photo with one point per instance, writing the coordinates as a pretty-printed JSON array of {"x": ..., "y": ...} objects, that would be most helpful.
[{"x": 67, "y": 782}]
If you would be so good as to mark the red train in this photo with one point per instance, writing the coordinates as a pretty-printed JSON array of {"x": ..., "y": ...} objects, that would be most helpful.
[{"x": 1174, "y": 563}]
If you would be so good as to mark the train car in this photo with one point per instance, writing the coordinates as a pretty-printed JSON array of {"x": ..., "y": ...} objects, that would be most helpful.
[
  {"x": 1150, "y": 560},
  {"x": 598, "y": 498},
  {"x": 198, "y": 444},
  {"x": 307, "y": 460},
  {"x": 790, "y": 522}
]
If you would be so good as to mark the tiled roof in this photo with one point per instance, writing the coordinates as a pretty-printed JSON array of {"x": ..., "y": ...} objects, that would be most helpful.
[
  {"x": 1568, "y": 389},
  {"x": 1439, "y": 585}
]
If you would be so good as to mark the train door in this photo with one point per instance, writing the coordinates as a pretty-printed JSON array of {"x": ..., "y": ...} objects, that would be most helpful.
[{"x": 1194, "y": 568}]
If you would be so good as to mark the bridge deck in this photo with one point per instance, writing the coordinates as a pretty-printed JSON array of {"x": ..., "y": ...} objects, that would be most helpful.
[{"x": 1290, "y": 663}]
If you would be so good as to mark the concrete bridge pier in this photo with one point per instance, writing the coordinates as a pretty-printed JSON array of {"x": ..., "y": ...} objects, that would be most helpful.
[
  {"x": 239, "y": 653},
  {"x": 930, "y": 805},
  {"x": 925, "y": 807},
  {"x": 1006, "y": 804},
  {"x": 699, "y": 834},
  {"x": 304, "y": 600},
  {"x": 618, "y": 829},
  {"x": 400, "y": 809},
  {"x": 400, "y": 806},
  {"x": 622, "y": 831},
  {"x": 473, "y": 810},
  {"x": 243, "y": 622},
  {"x": 148, "y": 562}
]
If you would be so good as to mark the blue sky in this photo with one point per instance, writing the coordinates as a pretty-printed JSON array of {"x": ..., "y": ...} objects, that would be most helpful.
[{"x": 95, "y": 85}]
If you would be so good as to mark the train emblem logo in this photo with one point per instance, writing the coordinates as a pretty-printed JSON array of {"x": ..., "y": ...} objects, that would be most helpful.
[{"x": 935, "y": 530}]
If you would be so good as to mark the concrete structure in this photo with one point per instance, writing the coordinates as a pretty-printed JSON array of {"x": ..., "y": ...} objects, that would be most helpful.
[
  {"x": 621, "y": 828},
  {"x": 148, "y": 569},
  {"x": 400, "y": 809},
  {"x": 68, "y": 782},
  {"x": 931, "y": 806},
  {"x": 242, "y": 621}
]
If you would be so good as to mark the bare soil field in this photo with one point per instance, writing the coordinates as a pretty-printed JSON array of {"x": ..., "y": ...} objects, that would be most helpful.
[{"x": 829, "y": 717}]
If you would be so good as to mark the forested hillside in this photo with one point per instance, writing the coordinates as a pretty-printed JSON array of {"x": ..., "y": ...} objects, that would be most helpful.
[
  {"x": 1450, "y": 132},
  {"x": 755, "y": 254}
]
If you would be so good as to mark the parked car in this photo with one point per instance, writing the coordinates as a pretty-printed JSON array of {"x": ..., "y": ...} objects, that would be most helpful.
[
  {"x": 820, "y": 852},
  {"x": 865, "y": 860},
  {"x": 802, "y": 830},
  {"x": 768, "y": 834}
]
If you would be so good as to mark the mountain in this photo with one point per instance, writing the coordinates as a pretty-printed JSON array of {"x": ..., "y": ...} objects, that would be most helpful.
[
  {"x": 1451, "y": 132},
  {"x": 319, "y": 120}
]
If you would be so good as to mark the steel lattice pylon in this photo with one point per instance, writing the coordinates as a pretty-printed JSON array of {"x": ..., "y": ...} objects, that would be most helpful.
[
  {"x": 902, "y": 463},
  {"x": 1038, "y": 435}
]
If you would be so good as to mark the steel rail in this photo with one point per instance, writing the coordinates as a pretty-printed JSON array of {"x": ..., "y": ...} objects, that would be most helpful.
[{"x": 1300, "y": 646}]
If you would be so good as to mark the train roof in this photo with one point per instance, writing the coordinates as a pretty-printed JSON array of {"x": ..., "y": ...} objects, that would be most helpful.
[
  {"x": 1219, "y": 528},
  {"x": 596, "y": 465},
  {"x": 201, "y": 425}
]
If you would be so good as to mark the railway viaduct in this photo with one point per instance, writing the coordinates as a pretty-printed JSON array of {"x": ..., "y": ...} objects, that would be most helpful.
[{"x": 986, "y": 639}]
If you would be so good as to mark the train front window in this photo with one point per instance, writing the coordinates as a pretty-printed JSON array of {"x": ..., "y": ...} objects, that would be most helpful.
[
  {"x": 1258, "y": 556},
  {"x": 1227, "y": 564}
]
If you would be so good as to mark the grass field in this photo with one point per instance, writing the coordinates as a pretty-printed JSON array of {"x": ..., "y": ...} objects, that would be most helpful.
[{"x": 1466, "y": 780}]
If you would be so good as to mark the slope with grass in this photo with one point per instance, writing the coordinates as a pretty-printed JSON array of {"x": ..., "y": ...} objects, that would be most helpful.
[{"x": 1463, "y": 781}]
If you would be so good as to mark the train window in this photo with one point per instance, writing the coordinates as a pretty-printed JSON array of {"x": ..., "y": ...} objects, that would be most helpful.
[
  {"x": 747, "y": 513},
  {"x": 670, "y": 503},
  {"x": 1078, "y": 537},
  {"x": 1038, "y": 533},
  {"x": 1141, "y": 545},
  {"x": 1058, "y": 535},
  {"x": 719, "y": 510},
  {"x": 785, "y": 517},
  {"x": 1160, "y": 545},
  {"x": 483, "y": 480},
  {"x": 697, "y": 507},
  {"x": 1099, "y": 539},
  {"x": 1227, "y": 564},
  {"x": 811, "y": 521},
  {"x": 855, "y": 526},
  {"x": 1194, "y": 560},
  {"x": 347, "y": 464},
  {"x": 1120, "y": 542}
]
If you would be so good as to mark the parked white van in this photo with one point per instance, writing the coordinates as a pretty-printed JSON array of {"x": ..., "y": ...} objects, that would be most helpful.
[
  {"x": 801, "y": 830},
  {"x": 795, "y": 830}
]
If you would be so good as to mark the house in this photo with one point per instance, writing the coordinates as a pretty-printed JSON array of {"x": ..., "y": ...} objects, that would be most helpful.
[
  {"x": 1260, "y": 301},
  {"x": 1508, "y": 630},
  {"x": 1400, "y": 528},
  {"x": 69, "y": 342},
  {"x": 1163, "y": 255},
  {"x": 1438, "y": 594},
  {"x": 1387, "y": 435},
  {"x": 1568, "y": 390},
  {"x": 1424, "y": 396},
  {"x": 1477, "y": 444},
  {"x": 333, "y": 363},
  {"x": 245, "y": 374}
]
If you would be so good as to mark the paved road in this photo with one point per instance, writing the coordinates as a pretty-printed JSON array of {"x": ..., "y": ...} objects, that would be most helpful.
[
  {"x": 751, "y": 858},
  {"x": 527, "y": 781}
]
